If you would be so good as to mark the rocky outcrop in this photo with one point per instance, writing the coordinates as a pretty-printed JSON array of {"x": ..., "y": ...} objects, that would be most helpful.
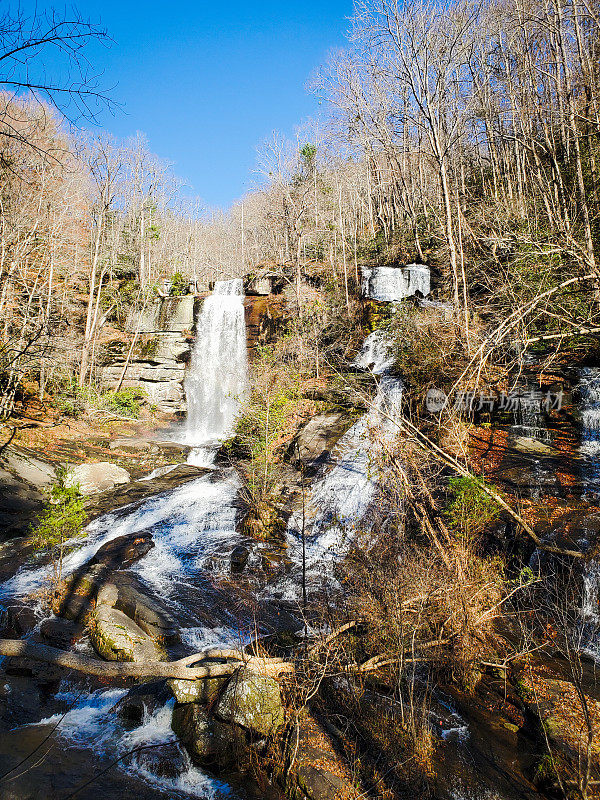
[
  {"x": 312, "y": 446},
  {"x": 104, "y": 581},
  {"x": 158, "y": 364},
  {"x": 252, "y": 701},
  {"x": 263, "y": 283},
  {"x": 96, "y": 478},
  {"x": 209, "y": 741},
  {"x": 20, "y": 504},
  {"x": 264, "y": 317},
  {"x": 116, "y": 637}
]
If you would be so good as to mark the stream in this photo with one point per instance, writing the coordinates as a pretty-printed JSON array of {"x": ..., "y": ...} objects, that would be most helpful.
[{"x": 189, "y": 569}]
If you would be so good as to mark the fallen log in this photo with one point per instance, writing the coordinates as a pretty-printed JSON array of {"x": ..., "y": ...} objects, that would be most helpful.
[{"x": 19, "y": 648}]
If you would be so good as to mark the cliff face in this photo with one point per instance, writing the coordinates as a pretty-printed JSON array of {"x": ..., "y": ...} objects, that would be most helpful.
[
  {"x": 164, "y": 338},
  {"x": 264, "y": 315},
  {"x": 157, "y": 367}
]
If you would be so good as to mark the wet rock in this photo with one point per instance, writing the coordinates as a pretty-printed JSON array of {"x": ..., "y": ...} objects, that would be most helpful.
[
  {"x": 20, "y": 701},
  {"x": 95, "y": 478},
  {"x": 207, "y": 740},
  {"x": 124, "y": 551},
  {"x": 116, "y": 637},
  {"x": 61, "y": 633},
  {"x": 239, "y": 558},
  {"x": 17, "y": 620},
  {"x": 167, "y": 761},
  {"x": 138, "y": 490},
  {"x": 147, "y": 698},
  {"x": 252, "y": 701},
  {"x": 313, "y": 444}
]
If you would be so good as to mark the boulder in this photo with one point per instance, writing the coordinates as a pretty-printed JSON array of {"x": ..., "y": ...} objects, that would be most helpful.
[
  {"x": 167, "y": 761},
  {"x": 61, "y": 633},
  {"x": 239, "y": 558},
  {"x": 320, "y": 783},
  {"x": 116, "y": 637},
  {"x": 123, "y": 551},
  {"x": 104, "y": 584},
  {"x": 95, "y": 478},
  {"x": 208, "y": 741},
  {"x": 313, "y": 444},
  {"x": 252, "y": 701},
  {"x": 146, "y": 698},
  {"x": 200, "y": 691}
]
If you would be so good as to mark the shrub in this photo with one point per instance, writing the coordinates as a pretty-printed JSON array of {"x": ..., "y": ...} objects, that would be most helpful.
[
  {"x": 126, "y": 402},
  {"x": 61, "y": 521},
  {"x": 471, "y": 508},
  {"x": 179, "y": 284}
]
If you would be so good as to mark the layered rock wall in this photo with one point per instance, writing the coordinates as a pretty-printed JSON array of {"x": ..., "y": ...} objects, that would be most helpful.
[{"x": 158, "y": 366}]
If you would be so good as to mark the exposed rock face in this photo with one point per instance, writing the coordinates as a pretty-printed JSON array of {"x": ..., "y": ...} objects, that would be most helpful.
[
  {"x": 314, "y": 442},
  {"x": 146, "y": 698},
  {"x": 116, "y": 637},
  {"x": 103, "y": 581},
  {"x": 95, "y": 478},
  {"x": 263, "y": 317},
  {"x": 252, "y": 701},
  {"x": 263, "y": 283},
  {"x": 208, "y": 741},
  {"x": 27, "y": 467},
  {"x": 159, "y": 368},
  {"x": 20, "y": 504}
]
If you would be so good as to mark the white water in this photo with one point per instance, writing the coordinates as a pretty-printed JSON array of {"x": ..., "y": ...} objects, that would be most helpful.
[
  {"x": 394, "y": 283},
  {"x": 95, "y": 719},
  {"x": 217, "y": 380},
  {"x": 194, "y": 532},
  {"x": 589, "y": 449},
  {"x": 339, "y": 501}
]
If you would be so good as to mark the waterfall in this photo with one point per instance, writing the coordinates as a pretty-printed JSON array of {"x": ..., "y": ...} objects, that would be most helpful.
[
  {"x": 340, "y": 499},
  {"x": 589, "y": 391},
  {"x": 217, "y": 379},
  {"x": 392, "y": 284}
]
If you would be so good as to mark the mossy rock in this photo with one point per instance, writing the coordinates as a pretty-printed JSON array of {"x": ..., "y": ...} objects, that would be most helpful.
[
  {"x": 116, "y": 637},
  {"x": 252, "y": 701},
  {"x": 208, "y": 741}
]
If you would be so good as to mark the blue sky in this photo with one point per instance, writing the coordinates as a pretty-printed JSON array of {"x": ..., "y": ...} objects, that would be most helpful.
[{"x": 207, "y": 82}]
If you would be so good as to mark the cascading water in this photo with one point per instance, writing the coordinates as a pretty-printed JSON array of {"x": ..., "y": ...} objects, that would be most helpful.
[
  {"x": 339, "y": 501},
  {"x": 589, "y": 392},
  {"x": 392, "y": 284},
  {"x": 217, "y": 380},
  {"x": 194, "y": 532},
  {"x": 589, "y": 449}
]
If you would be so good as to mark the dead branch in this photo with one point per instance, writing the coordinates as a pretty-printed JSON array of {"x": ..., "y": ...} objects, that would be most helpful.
[{"x": 149, "y": 669}]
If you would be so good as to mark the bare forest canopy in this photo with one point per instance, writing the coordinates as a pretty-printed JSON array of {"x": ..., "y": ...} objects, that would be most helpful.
[{"x": 461, "y": 134}]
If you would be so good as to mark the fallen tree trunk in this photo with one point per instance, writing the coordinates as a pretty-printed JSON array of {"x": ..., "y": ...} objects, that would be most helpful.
[{"x": 149, "y": 669}]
